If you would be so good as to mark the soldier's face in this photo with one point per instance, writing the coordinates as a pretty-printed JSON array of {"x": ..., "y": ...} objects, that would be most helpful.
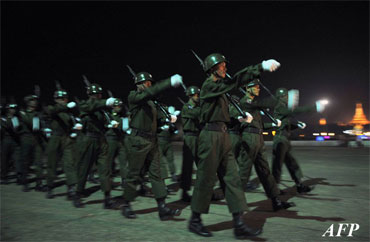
[
  {"x": 254, "y": 91},
  {"x": 11, "y": 111},
  {"x": 61, "y": 100},
  {"x": 221, "y": 69},
  {"x": 195, "y": 97},
  {"x": 117, "y": 109},
  {"x": 33, "y": 104}
]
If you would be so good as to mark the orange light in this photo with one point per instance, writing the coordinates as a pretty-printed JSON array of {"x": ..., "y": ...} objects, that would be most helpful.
[
  {"x": 301, "y": 135},
  {"x": 273, "y": 132},
  {"x": 322, "y": 121}
]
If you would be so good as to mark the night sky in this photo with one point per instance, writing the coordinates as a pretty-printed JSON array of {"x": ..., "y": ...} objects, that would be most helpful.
[{"x": 323, "y": 47}]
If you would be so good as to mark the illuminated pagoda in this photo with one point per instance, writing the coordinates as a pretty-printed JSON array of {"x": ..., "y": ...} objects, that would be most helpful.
[{"x": 359, "y": 119}]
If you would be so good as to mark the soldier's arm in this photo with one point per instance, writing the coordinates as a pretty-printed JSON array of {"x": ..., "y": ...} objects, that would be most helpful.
[
  {"x": 190, "y": 112},
  {"x": 248, "y": 73},
  {"x": 55, "y": 109},
  {"x": 211, "y": 89},
  {"x": 92, "y": 105},
  {"x": 283, "y": 111},
  {"x": 149, "y": 93}
]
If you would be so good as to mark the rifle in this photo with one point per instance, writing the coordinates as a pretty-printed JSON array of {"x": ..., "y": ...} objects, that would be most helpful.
[{"x": 231, "y": 100}]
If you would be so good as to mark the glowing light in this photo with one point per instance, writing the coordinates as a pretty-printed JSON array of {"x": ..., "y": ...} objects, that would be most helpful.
[
  {"x": 323, "y": 133},
  {"x": 326, "y": 137},
  {"x": 322, "y": 121},
  {"x": 324, "y": 101},
  {"x": 273, "y": 132},
  {"x": 265, "y": 133},
  {"x": 315, "y": 134},
  {"x": 367, "y": 133},
  {"x": 319, "y": 138},
  {"x": 331, "y": 134},
  {"x": 301, "y": 135}
]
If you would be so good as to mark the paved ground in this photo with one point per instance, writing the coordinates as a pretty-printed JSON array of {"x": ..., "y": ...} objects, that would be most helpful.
[{"x": 341, "y": 195}]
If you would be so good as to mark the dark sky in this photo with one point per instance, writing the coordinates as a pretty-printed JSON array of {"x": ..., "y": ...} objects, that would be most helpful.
[{"x": 323, "y": 46}]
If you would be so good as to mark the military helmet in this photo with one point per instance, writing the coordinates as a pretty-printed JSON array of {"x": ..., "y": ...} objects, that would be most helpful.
[
  {"x": 11, "y": 105},
  {"x": 280, "y": 92},
  {"x": 30, "y": 97},
  {"x": 61, "y": 93},
  {"x": 192, "y": 90},
  {"x": 143, "y": 76},
  {"x": 212, "y": 60},
  {"x": 117, "y": 102},
  {"x": 253, "y": 83},
  {"x": 94, "y": 89}
]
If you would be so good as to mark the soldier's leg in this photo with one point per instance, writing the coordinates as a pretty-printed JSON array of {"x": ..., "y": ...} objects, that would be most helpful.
[
  {"x": 85, "y": 161},
  {"x": 123, "y": 161},
  {"x": 210, "y": 155},
  {"x": 247, "y": 157},
  {"x": 171, "y": 161},
  {"x": 279, "y": 153},
  {"x": 26, "y": 160},
  {"x": 113, "y": 147},
  {"x": 52, "y": 154},
  {"x": 69, "y": 161},
  {"x": 6, "y": 151},
  {"x": 39, "y": 166},
  {"x": 293, "y": 168},
  {"x": 163, "y": 159},
  {"x": 103, "y": 166},
  {"x": 187, "y": 167}
]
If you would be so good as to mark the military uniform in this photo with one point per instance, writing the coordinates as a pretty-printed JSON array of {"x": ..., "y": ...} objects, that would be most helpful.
[
  {"x": 10, "y": 145},
  {"x": 281, "y": 144},
  {"x": 32, "y": 146},
  {"x": 234, "y": 131},
  {"x": 62, "y": 145},
  {"x": 166, "y": 151},
  {"x": 253, "y": 148}
]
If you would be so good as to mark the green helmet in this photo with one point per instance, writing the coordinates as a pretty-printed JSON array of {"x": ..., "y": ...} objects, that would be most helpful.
[
  {"x": 212, "y": 60},
  {"x": 94, "y": 89},
  {"x": 280, "y": 92},
  {"x": 143, "y": 76},
  {"x": 61, "y": 93},
  {"x": 30, "y": 98},
  {"x": 11, "y": 105},
  {"x": 192, "y": 90},
  {"x": 253, "y": 83},
  {"x": 117, "y": 102}
]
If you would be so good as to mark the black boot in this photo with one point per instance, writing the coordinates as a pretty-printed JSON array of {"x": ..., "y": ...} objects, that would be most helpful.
[
  {"x": 241, "y": 230},
  {"x": 303, "y": 189},
  {"x": 77, "y": 201},
  {"x": 25, "y": 187},
  {"x": 49, "y": 193},
  {"x": 196, "y": 226},
  {"x": 277, "y": 204},
  {"x": 250, "y": 186},
  {"x": 185, "y": 197},
  {"x": 127, "y": 210},
  {"x": 91, "y": 178},
  {"x": 108, "y": 203},
  {"x": 4, "y": 181},
  {"x": 165, "y": 212},
  {"x": 39, "y": 186},
  {"x": 174, "y": 178},
  {"x": 71, "y": 192}
]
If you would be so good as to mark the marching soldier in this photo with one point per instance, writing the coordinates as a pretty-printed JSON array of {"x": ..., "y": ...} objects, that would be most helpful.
[
  {"x": 116, "y": 135},
  {"x": 215, "y": 151},
  {"x": 62, "y": 143},
  {"x": 281, "y": 144},
  {"x": 190, "y": 114},
  {"x": 10, "y": 142},
  {"x": 142, "y": 143},
  {"x": 32, "y": 142},
  {"x": 93, "y": 144},
  {"x": 253, "y": 152}
]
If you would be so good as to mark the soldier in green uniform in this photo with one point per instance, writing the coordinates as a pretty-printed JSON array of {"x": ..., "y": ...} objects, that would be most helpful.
[
  {"x": 281, "y": 146},
  {"x": 190, "y": 114},
  {"x": 62, "y": 143},
  {"x": 32, "y": 142},
  {"x": 142, "y": 143},
  {"x": 215, "y": 151},
  {"x": 253, "y": 148},
  {"x": 10, "y": 142},
  {"x": 93, "y": 146},
  {"x": 116, "y": 135}
]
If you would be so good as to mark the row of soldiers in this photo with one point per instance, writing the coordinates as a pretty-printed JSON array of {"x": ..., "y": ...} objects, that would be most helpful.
[{"x": 222, "y": 136}]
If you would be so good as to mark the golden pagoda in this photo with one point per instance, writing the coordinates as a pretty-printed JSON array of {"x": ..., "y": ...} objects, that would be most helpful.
[{"x": 359, "y": 119}]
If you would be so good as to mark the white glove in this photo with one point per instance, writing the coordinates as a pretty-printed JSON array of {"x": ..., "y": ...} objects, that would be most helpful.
[
  {"x": 47, "y": 132},
  {"x": 270, "y": 65},
  {"x": 293, "y": 98},
  {"x": 262, "y": 113},
  {"x": 278, "y": 123},
  {"x": 110, "y": 102},
  {"x": 73, "y": 135},
  {"x": 177, "y": 113},
  {"x": 171, "y": 109},
  {"x": 176, "y": 80},
  {"x": 320, "y": 106},
  {"x": 248, "y": 119},
  {"x": 113, "y": 124},
  {"x": 77, "y": 126},
  {"x": 301, "y": 125},
  {"x": 125, "y": 125},
  {"x": 173, "y": 118},
  {"x": 165, "y": 127},
  {"x": 71, "y": 105},
  {"x": 77, "y": 119}
]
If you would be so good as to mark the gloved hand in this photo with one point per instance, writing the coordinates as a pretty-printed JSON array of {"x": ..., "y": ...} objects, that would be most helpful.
[
  {"x": 113, "y": 124},
  {"x": 71, "y": 105},
  {"x": 248, "y": 119},
  {"x": 176, "y": 80},
  {"x": 47, "y": 132},
  {"x": 173, "y": 119},
  {"x": 165, "y": 127},
  {"x": 110, "y": 102},
  {"x": 173, "y": 111},
  {"x": 293, "y": 99},
  {"x": 320, "y": 105},
  {"x": 301, "y": 125},
  {"x": 77, "y": 126},
  {"x": 278, "y": 123},
  {"x": 270, "y": 65},
  {"x": 73, "y": 135}
]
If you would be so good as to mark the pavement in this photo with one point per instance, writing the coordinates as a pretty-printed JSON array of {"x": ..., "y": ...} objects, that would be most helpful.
[{"x": 341, "y": 196}]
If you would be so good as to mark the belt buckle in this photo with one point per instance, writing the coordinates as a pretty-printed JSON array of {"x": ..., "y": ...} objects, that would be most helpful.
[{"x": 224, "y": 129}]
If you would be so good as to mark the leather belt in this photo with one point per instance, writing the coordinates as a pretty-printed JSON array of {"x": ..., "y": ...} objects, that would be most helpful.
[
  {"x": 252, "y": 130},
  {"x": 216, "y": 126},
  {"x": 233, "y": 132},
  {"x": 188, "y": 133}
]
